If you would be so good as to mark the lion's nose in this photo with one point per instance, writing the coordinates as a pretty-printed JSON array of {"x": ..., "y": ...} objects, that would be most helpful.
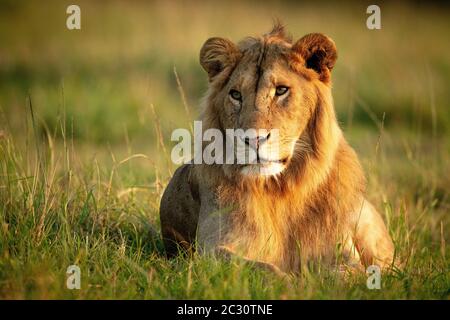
[{"x": 257, "y": 141}]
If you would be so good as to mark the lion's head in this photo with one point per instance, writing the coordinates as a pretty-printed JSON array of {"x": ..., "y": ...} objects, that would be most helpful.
[{"x": 268, "y": 83}]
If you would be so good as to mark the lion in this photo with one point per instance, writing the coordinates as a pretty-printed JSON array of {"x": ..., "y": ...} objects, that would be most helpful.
[{"x": 305, "y": 204}]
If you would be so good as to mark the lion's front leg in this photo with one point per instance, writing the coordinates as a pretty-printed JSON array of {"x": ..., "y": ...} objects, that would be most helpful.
[
  {"x": 227, "y": 253},
  {"x": 213, "y": 228},
  {"x": 372, "y": 238}
]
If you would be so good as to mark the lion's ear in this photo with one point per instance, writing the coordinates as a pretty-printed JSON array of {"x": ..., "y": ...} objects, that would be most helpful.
[
  {"x": 218, "y": 54},
  {"x": 319, "y": 53}
]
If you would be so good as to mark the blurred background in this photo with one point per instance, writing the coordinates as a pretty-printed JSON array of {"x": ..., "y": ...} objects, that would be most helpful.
[
  {"x": 115, "y": 80},
  {"x": 99, "y": 105}
]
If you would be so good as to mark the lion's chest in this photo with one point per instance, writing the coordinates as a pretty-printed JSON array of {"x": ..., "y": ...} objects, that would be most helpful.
[{"x": 280, "y": 232}]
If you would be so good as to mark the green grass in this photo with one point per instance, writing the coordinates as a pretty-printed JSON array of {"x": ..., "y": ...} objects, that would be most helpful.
[
  {"x": 85, "y": 122},
  {"x": 84, "y": 214}
]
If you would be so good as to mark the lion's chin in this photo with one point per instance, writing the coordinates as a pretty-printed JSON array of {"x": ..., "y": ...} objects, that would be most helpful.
[{"x": 263, "y": 169}]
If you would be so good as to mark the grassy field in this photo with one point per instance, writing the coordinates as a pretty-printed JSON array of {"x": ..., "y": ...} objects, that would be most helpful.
[{"x": 85, "y": 123}]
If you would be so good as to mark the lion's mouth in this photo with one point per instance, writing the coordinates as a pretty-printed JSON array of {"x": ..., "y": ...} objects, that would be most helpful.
[
  {"x": 265, "y": 167},
  {"x": 263, "y": 161}
]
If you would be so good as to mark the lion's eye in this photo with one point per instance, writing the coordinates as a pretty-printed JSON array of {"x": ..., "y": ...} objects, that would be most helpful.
[
  {"x": 236, "y": 95},
  {"x": 280, "y": 90}
]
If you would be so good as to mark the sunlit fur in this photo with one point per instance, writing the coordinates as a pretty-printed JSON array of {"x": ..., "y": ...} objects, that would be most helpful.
[{"x": 312, "y": 209}]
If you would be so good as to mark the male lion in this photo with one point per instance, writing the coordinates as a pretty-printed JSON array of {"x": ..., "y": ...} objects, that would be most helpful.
[{"x": 304, "y": 204}]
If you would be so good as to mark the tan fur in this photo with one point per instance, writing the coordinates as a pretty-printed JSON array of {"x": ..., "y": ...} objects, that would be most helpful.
[{"x": 314, "y": 210}]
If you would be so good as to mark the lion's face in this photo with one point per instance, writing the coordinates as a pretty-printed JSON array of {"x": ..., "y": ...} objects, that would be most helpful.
[
  {"x": 266, "y": 96},
  {"x": 266, "y": 85}
]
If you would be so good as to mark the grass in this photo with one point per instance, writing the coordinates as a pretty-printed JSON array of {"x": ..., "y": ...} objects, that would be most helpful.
[{"x": 85, "y": 122}]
